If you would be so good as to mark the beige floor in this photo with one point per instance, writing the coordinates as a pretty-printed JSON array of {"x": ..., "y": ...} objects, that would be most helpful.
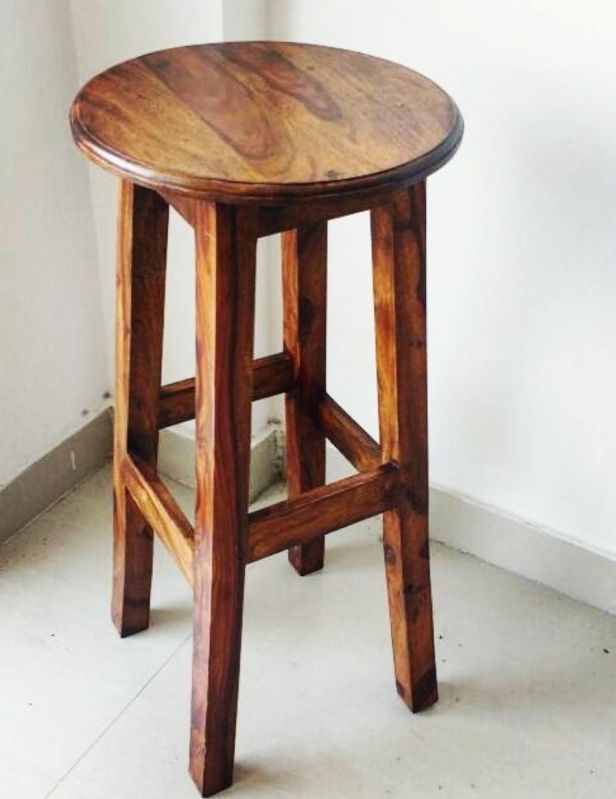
[{"x": 527, "y": 679}]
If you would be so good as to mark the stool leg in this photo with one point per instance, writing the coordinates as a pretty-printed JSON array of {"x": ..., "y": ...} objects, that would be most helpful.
[
  {"x": 398, "y": 235},
  {"x": 304, "y": 261},
  {"x": 226, "y": 255},
  {"x": 142, "y": 251}
]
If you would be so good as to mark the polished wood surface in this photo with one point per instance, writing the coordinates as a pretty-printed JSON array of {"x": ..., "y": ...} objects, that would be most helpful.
[
  {"x": 322, "y": 510},
  {"x": 159, "y": 508},
  {"x": 399, "y": 269},
  {"x": 349, "y": 438},
  {"x": 140, "y": 295},
  {"x": 304, "y": 281},
  {"x": 226, "y": 245},
  {"x": 271, "y": 375},
  {"x": 245, "y": 140},
  {"x": 265, "y": 122}
]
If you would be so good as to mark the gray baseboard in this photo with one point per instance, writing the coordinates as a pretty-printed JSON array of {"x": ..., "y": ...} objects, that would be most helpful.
[
  {"x": 176, "y": 459},
  {"x": 459, "y": 522},
  {"x": 60, "y": 470},
  {"x": 513, "y": 544},
  {"x": 523, "y": 548},
  {"x": 55, "y": 474}
]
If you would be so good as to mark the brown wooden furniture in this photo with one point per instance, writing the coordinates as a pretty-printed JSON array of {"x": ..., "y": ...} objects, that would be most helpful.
[{"x": 245, "y": 140}]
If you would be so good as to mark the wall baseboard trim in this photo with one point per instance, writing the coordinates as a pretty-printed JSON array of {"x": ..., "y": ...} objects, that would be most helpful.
[
  {"x": 44, "y": 483},
  {"x": 513, "y": 544},
  {"x": 523, "y": 548},
  {"x": 488, "y": 533},
  {"x": 55, "y": 474},
  {"x": 176, "y": 459}
]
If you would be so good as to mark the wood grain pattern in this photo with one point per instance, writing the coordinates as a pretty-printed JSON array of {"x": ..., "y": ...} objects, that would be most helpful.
[
  {"x": 291, "y": 215},
  {"x": 159, "y": 508},
  {"x": 304, "y": 282},
  {"x": 398, "y": 235},
  {"x": 322, "y": 510},
  {"x": 278, "y": 218},
  {"x": 265, "y": 122},
  {"x": 245, "y": 139},
  {"x": 184, "y": 206},
  {"x": 226, "y": 255},
  {"x": 272, "y": 374},
  {"x": 349, "y": 438},
  {"x": 142, "y": 242}
]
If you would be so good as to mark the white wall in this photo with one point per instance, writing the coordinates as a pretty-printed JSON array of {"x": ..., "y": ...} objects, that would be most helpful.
[
  {"x": 57, "y": 247},
  {"x": 522, "y": 237},
  {"x": 52, "y": 358},
  {"x": 522, "y": 250},
  {"x": 110, "y": 31}
]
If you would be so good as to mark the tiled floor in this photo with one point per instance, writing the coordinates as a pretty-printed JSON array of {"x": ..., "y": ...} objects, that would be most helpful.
[{"x": 527, "y": 679}]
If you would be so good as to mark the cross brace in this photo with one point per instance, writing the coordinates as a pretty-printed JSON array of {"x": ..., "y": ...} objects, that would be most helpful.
[{"x": 291, "y": 522}]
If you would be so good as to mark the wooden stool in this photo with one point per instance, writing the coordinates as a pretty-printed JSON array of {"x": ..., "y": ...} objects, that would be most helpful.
[{"x": 245, "y": 140}]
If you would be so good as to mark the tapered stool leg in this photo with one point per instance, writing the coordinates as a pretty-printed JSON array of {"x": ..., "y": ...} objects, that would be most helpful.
[
  {"x": 304, "y": 264},
  {"x": 142, "y": 246},
  {"x": 226, "y": 252},
  {"x": 398, "y": 235}
]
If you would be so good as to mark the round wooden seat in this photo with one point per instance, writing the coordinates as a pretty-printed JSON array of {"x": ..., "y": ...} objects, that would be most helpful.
[
  {"x": 246, "y": 140},
  {"x": 265, "y": 122}
]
